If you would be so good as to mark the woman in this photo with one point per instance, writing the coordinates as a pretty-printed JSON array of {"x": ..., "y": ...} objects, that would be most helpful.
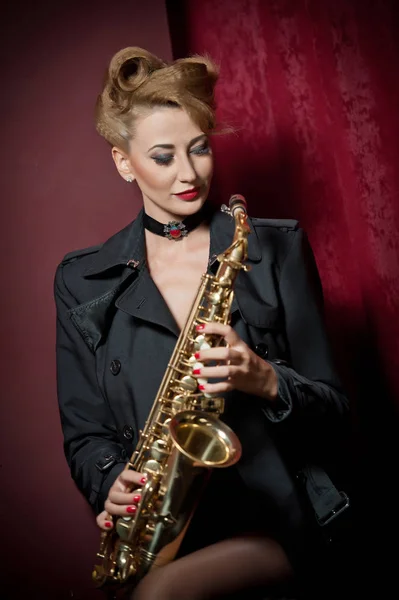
[{"x": 121, "y": 306}]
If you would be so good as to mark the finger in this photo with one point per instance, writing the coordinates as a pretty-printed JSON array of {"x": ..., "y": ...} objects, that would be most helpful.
[
  {"x": 104, "y": 521},
  {"x": 217, "y": 388},
  {"x": 234, "y": 355},
  {"x": 124, "y": 498},
  {"x": 225, "y": 331},
  {"x": 120, "y": 510},
  {"x": 128, "y": 478},
  {"x": 222, "y": 371}
]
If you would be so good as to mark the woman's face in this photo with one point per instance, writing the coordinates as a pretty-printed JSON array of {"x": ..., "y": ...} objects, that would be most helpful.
[{"x": 168, "y": 155}]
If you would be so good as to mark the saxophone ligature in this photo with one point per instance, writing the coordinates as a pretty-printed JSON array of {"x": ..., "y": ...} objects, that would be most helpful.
[{"x": 183, "y": 438}]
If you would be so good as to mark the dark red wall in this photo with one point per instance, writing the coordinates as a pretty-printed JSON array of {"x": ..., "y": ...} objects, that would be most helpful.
[{"x": 60, "y": 191}]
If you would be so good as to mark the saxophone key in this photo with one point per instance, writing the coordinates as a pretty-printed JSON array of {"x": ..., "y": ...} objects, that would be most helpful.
[
  {"x": 159, "y": 450},
  {"x": 215, "y": 298},
  {"x": 178, "y": 403},
  {"x": 198, "y": 341},
  {"x": 205, "y": 346},
  {"x": 165, "y": 427},
  {"x": 152, "y": 466},
  {"x": 188, "y": 383},
  {"x": 212, "y": 404}
]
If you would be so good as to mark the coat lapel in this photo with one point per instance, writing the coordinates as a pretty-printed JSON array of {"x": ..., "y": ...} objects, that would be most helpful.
[
  {"x": 136, "y": 293},
  {"x": 143, "y": 300},
  {"x": 117, "y": 263},
  {"x": 93, "y": 319}
]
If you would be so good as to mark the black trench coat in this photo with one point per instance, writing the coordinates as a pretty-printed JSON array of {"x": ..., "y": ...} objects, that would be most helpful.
[{"x": 115, "y": 335}]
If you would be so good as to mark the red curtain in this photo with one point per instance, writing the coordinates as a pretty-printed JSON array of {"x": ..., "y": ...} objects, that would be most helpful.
[{"x": 310, "y": 87}]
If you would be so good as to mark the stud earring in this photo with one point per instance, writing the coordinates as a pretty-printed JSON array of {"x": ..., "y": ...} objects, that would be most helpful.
[{"x": 129, "y": 179}]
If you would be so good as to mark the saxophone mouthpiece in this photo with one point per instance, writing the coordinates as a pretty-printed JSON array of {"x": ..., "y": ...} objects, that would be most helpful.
[{"x": 237, "y": 202}]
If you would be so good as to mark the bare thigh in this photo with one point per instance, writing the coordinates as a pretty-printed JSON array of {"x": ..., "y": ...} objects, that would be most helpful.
[{"x": 227, "y": 567}]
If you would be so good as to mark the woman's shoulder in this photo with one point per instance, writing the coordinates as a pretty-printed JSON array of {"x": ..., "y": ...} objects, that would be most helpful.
[
  {"x": 113, "y": 251},
  {"x": 80, "y": 253},
  {"x": 283, "y": 225},
  {"x": 285, "y": 243},
  {"x": 277, "y": 237},
  {"x": 69, "y": 274},
  {"x": 90, "y": 271}
]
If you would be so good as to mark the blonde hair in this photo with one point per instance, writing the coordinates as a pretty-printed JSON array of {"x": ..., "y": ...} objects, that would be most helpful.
[{"x": 137, "y": 80}]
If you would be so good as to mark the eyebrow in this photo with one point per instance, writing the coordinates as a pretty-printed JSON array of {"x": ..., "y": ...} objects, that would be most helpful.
[{"x": 171, "y": 146}]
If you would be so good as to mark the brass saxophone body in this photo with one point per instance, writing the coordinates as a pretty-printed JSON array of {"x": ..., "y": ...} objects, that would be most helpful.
[{"x": 183, "y": 438}]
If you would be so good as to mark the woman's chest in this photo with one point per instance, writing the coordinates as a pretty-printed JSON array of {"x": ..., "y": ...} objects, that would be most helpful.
[{"x": 178, "y": 283}]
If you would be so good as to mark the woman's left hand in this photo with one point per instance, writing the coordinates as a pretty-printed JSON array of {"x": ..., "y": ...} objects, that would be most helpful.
[{"x": 239, "y": 367}]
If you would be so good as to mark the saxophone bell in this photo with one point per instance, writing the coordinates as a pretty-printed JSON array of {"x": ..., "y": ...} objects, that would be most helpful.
[{"x": 204, "y": 439}]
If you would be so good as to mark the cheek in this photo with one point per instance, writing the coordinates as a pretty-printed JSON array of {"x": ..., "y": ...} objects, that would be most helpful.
[
  {"x": 205, "y": 168},
  {"x": 152, "y": 176}
]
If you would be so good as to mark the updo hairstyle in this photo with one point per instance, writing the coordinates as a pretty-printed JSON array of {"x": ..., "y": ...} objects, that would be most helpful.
[{"x": 137, "y": 80}]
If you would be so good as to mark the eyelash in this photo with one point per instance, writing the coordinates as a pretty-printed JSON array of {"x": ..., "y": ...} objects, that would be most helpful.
[{"x": 165, "y": 159}]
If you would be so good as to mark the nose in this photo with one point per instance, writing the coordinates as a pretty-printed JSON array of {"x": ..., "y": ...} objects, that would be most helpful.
[{"x": 186, "y": 172}]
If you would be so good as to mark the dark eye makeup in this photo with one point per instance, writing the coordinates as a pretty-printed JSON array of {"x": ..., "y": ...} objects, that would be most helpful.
[{"x": 165, "y": 159}]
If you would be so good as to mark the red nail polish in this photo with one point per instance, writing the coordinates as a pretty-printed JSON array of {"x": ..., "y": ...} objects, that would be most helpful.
[
  {"x": 196, "y": 355},
  {"x": 143, "y": 480},
  {"x": 201, "y": 387},
  {"x": 108, "y": 524},
  {"x": 136, "y": 499},
  {"x": 200, "y": 327},
  {"x": 131, "y": 509},
  {"x": 196, "y": 371}
]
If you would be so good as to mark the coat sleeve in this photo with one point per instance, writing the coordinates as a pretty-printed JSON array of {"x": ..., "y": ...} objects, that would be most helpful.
[
  {"x": 309, "y": 391},
  {"x": 93, "y": 452}
]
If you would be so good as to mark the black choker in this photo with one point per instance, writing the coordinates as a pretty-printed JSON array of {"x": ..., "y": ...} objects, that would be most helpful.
[{"x": 175, "y": 230}]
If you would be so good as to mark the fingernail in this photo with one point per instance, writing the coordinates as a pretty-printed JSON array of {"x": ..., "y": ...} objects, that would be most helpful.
[
  {"x": 201, "y": 387},
  {"x": 196, "y": 371},
  {"x": 200, "y": 327},
  {"x": 131, "y": 509},
  {"x": 108, "y": 524},
  {"x": 136, "y": 499},
  {"x": 197, "y": 355},
  {"x": 143, "y": 479}
]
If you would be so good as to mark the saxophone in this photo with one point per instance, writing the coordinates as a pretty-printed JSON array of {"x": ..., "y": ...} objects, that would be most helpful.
[{"x": 183, "y": 438}]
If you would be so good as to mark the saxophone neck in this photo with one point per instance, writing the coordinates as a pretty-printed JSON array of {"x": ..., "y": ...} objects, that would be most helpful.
[{"x": 236, "y": 254}]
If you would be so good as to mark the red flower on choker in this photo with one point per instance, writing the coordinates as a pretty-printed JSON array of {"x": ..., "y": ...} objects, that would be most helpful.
[{"x": 175, "y": 230}]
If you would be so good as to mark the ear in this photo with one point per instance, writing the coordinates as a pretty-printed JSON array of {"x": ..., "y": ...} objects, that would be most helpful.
[{"x": 122, "y": 164}]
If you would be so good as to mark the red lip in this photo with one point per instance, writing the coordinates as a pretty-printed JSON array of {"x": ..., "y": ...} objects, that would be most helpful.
[{"x": 189, "y": 194}]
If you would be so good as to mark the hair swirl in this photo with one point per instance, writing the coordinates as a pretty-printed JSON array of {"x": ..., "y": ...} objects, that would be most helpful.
[{"x": 137, "y": 80}]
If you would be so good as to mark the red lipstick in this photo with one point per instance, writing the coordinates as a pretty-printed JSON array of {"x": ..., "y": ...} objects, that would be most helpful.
[{"x": 189, "y": 194}]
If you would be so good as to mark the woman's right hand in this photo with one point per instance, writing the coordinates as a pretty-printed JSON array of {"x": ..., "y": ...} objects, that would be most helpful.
[{"x": 121, "y": 502}]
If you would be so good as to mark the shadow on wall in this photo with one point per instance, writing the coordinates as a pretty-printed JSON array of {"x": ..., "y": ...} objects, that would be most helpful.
[
  {"x": 275, "y": 186},
  {"x": 374, "y": 446}
]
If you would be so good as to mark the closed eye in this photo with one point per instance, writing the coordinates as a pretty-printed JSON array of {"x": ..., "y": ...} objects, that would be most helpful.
[
  {"x": 162, "y": 159},
  {"x": 166, "y": 159},
  {"x": 202, "y": 149}
]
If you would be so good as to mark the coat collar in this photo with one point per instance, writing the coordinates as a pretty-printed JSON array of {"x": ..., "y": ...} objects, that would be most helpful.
[{"x": 127, "y": 247}]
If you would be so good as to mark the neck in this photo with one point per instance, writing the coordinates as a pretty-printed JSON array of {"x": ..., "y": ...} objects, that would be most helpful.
[
  {"x": 177, "y": 230},
  {"x": 160, "y": 248},
  {"x": 160, "y": 214}
]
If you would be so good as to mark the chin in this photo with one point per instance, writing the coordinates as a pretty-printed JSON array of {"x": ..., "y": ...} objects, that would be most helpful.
[{"x": 186, "y": 208}]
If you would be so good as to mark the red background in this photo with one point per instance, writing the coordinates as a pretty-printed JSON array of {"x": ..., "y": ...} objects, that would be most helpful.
[
  {"x": 60, "y": 192},
  {"x": 311, "y": 87}
]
